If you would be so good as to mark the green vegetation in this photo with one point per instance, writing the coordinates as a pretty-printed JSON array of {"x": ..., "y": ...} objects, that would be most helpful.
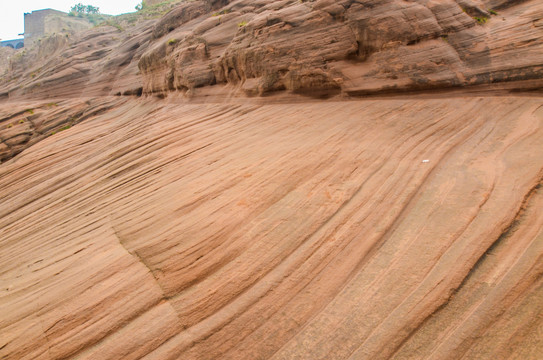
[
  {"x": 492, "y": 12},
  {"x": 172, "y": 41},
  {"x": 144, "y": 12},
  {"x": 97, "y": 19},
  {"x": 66, "y": 127},
  {"x": 481, "y": 20},
  {"x": 141, "y": 6},
  {"x": 89, "y": 12},
  {"x": 242, "y": 24},
  {"x": 156, "y": 10},
  {"x": 94, "y": 19},
  {"x": 30, "y": 111},
  {"x": 223, "y": 12},
  {"x": 84, "y": 9},
  {"x": 9, "y": 126},
  {"x": 22, "y": 121},
  {"x": 111, "y": 22}
]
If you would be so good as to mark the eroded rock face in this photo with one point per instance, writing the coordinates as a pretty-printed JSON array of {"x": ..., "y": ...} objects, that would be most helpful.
[
  {"x": 316, "y": 48},
  {"x": 357, "y": 47},
  {"x": 97, "y": 62},
  {"x": 369, "y": 229},
  {"x": 23, "y": 125},
  {"x": 241, "y": 219}
]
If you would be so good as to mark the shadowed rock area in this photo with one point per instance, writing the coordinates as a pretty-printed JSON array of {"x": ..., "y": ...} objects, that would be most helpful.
[{"x": 276, "y": 180}]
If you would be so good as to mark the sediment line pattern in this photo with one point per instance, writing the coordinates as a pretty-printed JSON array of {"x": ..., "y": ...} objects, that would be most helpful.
[{"x": 287, "y": 231}]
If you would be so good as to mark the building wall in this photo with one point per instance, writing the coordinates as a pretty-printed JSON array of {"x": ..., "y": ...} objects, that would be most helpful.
[{"x": 35, "y": 24}]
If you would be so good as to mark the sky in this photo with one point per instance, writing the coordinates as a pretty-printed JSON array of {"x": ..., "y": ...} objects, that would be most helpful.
[{"x": 12, "y": 11}]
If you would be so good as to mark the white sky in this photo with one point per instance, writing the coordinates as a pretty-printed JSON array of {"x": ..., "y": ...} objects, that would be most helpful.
[{"x": 12, "y": 11}]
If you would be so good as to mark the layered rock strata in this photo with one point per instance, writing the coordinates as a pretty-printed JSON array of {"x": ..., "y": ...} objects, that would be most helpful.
[
  {"x": 317, "y": 48},
  {"x": 174, "y": 188},
  {"x": 311, "y": 231}
]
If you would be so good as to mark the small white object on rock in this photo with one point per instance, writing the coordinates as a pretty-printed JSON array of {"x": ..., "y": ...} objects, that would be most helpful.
[{"x": 425, "y": 161}]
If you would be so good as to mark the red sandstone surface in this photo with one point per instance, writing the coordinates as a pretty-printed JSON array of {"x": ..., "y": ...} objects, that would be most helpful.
[{"x": 277, "y": 180}]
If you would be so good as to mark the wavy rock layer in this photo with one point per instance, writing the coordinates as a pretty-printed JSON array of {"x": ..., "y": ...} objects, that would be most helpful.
[
  {"x": 282, "y": 231},
  {"x": 23, "y": 125},
  {"x": 210, "y": 225}
]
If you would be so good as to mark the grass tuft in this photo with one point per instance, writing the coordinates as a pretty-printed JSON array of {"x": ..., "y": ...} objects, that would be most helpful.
[{"x": 481, "y": 20}]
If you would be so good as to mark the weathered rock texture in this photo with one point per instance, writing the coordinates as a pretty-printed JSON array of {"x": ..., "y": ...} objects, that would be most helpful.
[
  {"x": 287, "y": 231},
  {"x": 317, "y": 48},
  {"x": 22, "y": 126},
  {"x": 213, "y": 225}
]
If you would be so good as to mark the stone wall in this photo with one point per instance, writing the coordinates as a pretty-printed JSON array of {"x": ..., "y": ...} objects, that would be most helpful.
[
  {"x": 35, "y": 24},
  {"x": 48, "y": 21}
]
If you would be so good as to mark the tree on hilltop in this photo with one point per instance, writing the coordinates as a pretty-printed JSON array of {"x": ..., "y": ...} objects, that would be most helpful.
[{"x": 84, "y": 9}]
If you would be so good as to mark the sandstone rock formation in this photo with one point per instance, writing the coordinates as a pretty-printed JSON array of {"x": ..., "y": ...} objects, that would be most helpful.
[
  {"x": 215, "y": 183},
  {"x": 317, "y": 48}
]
